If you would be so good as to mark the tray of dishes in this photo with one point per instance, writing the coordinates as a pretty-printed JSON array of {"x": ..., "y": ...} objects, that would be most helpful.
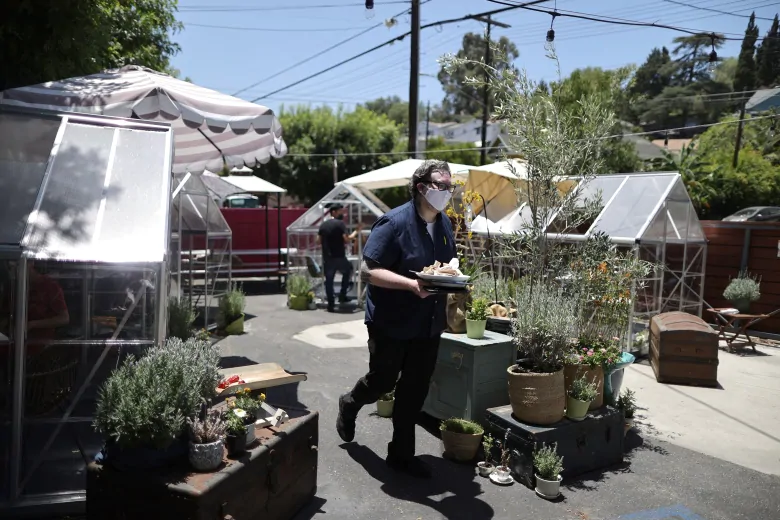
[{"x": 444, "y": 277}]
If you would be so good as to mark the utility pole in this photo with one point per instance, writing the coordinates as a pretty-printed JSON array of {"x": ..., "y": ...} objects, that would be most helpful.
[
  {"x": 414, "y": 79},
  {"x": 427, "y": 125},
  {"x": 735, "y": 161},
  {"x": 335, "y": 166},
  {"x": 486, "y": 89}
]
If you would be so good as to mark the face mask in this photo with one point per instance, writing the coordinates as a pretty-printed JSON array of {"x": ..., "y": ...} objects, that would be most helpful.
[{"x": 438, "y": 198}]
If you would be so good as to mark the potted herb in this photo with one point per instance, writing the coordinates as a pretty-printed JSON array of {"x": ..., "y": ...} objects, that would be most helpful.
[
  {"x": 476, "y": 318},
  {"x": 486, "y": 467},
  {"x": 231, "y": 310},
  {"x": 461, "y": 438},
  {"x": 502, "y": 474},
  {"x": 236, "y": 432},
  {"x": 588, "y": 359},
  {"x": 542, "y": 332},
  {"x": 181, "y": 318},
  {"x": 627, "y": 404},
  {"x": 143, "y": 405},
  {"x": 384, "y": 405},
  {"x": 742, "y": 291},
  {"x": 243, "y": 400},
  {"x": 298, "y": 291},
  {"x": 548, "y": 465},
  {"x": 580, "y": 395},
  {"x": 206, "y": 441}
]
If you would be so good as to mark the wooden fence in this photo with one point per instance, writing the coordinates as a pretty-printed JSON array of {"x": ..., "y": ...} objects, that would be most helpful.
[{"x": 751, "y": 246}]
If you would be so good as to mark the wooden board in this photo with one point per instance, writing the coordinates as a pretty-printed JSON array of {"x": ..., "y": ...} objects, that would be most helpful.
[{"x": 256, "y": 377}]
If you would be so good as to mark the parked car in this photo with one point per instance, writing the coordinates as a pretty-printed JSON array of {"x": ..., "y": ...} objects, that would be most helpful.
[
  {"x": 242, "y": 201},
  {"x": 756, "y": 214}
]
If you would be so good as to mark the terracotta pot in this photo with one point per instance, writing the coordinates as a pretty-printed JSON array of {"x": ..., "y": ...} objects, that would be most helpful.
[
  {"x": 593, "y": 374},
  {"x": 462, "y": 446},
  {"x": 537, "y": 398}
]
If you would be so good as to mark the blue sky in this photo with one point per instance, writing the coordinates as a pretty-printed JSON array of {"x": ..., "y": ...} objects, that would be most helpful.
[{"x": 246, "y": 52}]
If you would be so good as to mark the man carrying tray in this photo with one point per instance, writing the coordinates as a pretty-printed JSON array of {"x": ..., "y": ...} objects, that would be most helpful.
[{"x": 404, "y": 320}]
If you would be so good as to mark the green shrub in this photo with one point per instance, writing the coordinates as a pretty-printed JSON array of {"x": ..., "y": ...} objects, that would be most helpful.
[
  {"x": 583, "y": 390},
  {"x": 627, "y": 403},
  {"x": 235, "y": 424},
  {"x": 461, "y": 426},
  {"x": 478, "y": 310},
  {"x": 144, "y": 402},
  {"x": 547, "y": 462},
  {"x": 744, "y": 287},
  {"x": 487, "y": 445},
  {"x": 298, "y": 285},
  {"x": 231, "y": 305},
  {"x": 181, "y": 316}
]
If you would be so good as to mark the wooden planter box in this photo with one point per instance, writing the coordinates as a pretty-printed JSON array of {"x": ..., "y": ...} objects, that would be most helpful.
[
  {"x": 470, "y": 376},
  {"x": 683, "y": 349},
  {"x": 272, "y": 480}
]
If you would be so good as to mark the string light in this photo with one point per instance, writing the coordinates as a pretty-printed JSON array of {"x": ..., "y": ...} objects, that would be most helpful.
[
  {"x": 666, "y": 140},
  {"x": 551, "y": 32},
  {"x": 369, "y": 9},
  {"x": 713, "y": 54}
]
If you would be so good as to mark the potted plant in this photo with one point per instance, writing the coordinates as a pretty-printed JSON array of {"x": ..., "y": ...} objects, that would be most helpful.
[
  {"x": 143, "y": 405},
  {"x": 298, "y": 290},
  {"x": 588, "y": 359},
  {"x": 626, "y": 403},
  {"x": 231, "y": 310},
  {"x": 384, "y": 405},
  {"x": 461, "y": 438},
  {"x": 206, "y": 441},
  {"x": 181, "y": 317},
  {"x": 236, "y": 432},
  {"x": 486, "y": 467},
  {"x": 244, "y": 401},
  {"x": 542, "y": 333},
  {"x": 742, "y": 291},
  {"x": 502, "y": 473},
  {"x": 476, "y": 318},
  {"x": 548, "y": 465},
  {"x": 579, "y": 397}
]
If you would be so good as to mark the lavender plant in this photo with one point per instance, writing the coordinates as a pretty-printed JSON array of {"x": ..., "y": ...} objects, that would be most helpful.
[{"x": 210, "y": 429}]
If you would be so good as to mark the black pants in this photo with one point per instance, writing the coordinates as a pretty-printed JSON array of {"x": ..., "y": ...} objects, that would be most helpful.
[
  {"x": 415, "y": 360},
  {"x": 331, "y": 266}
]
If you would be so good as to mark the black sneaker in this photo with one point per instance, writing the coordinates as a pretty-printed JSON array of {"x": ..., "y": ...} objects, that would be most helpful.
[
  {"x": 345, "y": 424},
  {"x": 413, "y": 467},
  {"x": 344, "y": 299}
]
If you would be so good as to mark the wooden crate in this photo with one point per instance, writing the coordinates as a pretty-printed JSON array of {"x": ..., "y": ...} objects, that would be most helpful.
[{"x": 683, "y": 349}]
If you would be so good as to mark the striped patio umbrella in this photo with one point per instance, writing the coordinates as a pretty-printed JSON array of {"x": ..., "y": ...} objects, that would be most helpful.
[{"x": 211, "y": 129}]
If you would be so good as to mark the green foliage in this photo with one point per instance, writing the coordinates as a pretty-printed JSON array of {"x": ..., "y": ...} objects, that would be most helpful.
[
  {"x": 235, "y": 424},
  {"x": 43, "y": 41},
  {"x": 595, "y": 351},
  {"x": 461, "y": 426},
  {"x": 745, "y": 75},
  {"x": 768, "y": 57},
  {"x": 232, "y": 303},
  {"x": 583, "y": 390},
  {"x": 389, "y": 396},
  {"x": 627, "y": 403},
  {"x": 322, "y": 130},
  {"x": 210, "y": 429},
  {"x": 458, "y": 153},
  {"x": 243, "y": 400},
  {"x": 298, "y": 285},
  {"x": 478, "y": 310},
  {"x": 144, "y": 402},
  {"x": 181, "y": 316},
  {"x": 466, "y": 97},
  {"x": 487, "y": 445},
  {"x": 547, "y": 462},
  {"x": 744, "y": 287}
]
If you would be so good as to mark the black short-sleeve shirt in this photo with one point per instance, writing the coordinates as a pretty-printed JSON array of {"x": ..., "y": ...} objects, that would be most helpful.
[
  {"x": 399, "y": 241},
  {"x": 332, "y": 238}
]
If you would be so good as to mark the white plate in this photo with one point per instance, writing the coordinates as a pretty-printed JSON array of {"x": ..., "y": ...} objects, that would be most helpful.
[
  {"x": 494, "y": 478},
  {"x": 442, "y": 278}
]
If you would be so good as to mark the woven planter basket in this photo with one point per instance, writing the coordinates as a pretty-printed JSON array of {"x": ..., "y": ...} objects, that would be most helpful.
[
  {"x": 592, "y": 374},
  {"x": 537, "y": 398},
  {"x": 462, "y": 447}
]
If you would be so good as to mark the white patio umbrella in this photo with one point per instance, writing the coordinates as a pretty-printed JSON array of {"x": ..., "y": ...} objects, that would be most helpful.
[{"x": 211, "y": 129}]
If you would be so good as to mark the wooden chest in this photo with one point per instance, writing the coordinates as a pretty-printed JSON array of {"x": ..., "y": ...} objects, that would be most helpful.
[
  {"x": 683, "y": 349},
  {"x": 272, "y": 481}
]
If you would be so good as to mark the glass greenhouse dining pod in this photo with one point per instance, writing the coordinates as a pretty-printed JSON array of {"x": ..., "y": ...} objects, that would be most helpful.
[
  {"x": 84, "y": 230},
  {"x": 650, "y": 214}
]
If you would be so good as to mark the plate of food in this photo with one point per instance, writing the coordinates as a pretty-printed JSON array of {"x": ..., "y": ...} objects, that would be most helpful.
[{"x": 443, "y": 273}]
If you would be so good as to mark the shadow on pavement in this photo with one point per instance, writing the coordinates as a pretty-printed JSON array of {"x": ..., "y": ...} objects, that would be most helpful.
[{"x": 447, "y": 478}]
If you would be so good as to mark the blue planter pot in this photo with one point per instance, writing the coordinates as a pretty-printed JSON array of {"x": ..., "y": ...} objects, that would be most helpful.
[{"x": 613, "y": 380}]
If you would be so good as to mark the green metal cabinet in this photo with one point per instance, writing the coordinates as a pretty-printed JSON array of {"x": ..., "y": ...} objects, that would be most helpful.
[{"x": 470, "y": 376}]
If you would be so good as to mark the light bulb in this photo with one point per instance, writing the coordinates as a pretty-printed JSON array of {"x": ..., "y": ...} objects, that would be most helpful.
[
  {"x": 369, "y": 9},
  {"x": 550, "y": 35}
]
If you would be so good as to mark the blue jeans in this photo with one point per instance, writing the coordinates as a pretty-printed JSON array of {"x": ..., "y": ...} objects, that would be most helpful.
[{"x": 330, "y": 268}]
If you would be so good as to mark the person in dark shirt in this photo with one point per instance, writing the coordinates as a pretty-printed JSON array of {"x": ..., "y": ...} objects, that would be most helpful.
[
  {"x": 333, "y": 237},
  {"x": 404, "y": 321}
]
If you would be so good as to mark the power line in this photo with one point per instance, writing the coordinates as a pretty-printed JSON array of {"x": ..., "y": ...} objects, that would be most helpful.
[
  {"x": 268, "y": 29},
  {"x": 716, "y": 10},
  {"x": 615, "y": 136},
  {"x": 390, "y": 42},
  {"x": 237, "y": 8}
]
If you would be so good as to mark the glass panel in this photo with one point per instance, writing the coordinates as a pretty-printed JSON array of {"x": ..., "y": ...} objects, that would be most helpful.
[
  {"x": 25, "y": 145},
  {"x": 199, "y": 211},
  {"x": 7, "y": 307},
  {"x": 678, "y": 214},
  {"x": 633, "y": 206},
  {"x": 600, "y": 188},
  {"x": 132, "y": 229},
  {"x": 65, "y": 224}
]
